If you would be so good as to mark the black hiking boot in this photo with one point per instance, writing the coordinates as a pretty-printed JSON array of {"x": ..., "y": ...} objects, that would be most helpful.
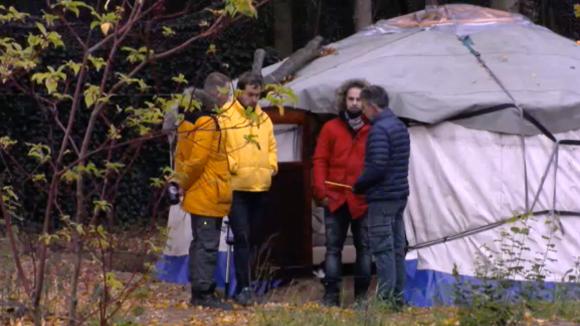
[
  {"x": 331, "y": 299},
  {"x": 209, "y": 301},
  {"x": 245, "y": 297}
]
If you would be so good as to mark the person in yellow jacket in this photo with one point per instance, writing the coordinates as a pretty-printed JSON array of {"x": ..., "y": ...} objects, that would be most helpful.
[
  {"x": 202, "y": 172},
  {"x": 252, "y": 156}
]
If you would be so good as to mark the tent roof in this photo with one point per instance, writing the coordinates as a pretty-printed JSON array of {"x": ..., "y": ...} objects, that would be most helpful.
[{"x": 431, "y": 75}]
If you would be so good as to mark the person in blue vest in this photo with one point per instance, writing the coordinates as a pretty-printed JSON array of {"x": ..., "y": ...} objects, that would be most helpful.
[{"x": 384, "y": 182}]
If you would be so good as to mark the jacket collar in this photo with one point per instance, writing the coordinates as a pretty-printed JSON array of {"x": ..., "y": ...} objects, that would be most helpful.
[
  {"x": 238, "y": 106},
  {"x": 387, "y": 113}
]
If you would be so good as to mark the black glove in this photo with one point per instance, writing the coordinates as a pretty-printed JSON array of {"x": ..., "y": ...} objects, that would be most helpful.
[{"x": 173, "y": 193}]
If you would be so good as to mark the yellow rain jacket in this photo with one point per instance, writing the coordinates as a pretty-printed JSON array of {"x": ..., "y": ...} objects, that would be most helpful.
[
  {"x": 251, "y": 147},
  {"x": 201, "y": 168}
]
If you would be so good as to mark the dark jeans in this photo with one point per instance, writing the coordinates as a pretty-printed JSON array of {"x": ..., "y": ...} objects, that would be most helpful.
[
  {"x": 336, "y": 225},
  {"x": 246, "y": 220},
  {"x": 203, "y": 252},
  {"x": 388, "y": 241}
]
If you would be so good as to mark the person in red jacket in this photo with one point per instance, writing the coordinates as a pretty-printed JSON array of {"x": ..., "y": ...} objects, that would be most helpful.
[{"x": 338, "y": 161}]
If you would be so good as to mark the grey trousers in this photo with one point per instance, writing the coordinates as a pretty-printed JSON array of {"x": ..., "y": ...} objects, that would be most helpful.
[{"x": 203, "y": 253}]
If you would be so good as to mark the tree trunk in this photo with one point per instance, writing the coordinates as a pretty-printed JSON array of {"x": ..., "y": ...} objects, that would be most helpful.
[
  {"x": 296, "y": 61},
  {"x": 532, "y": 9},
  {"x": 363, "y": 14},
  {"x": 283, "y": 39},
  {"x": 506, "y": 5}
]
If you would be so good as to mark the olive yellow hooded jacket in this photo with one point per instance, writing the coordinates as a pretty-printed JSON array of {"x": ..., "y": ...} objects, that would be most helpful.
[
  {"x": 251, "y": 147},
  {"x": 201, "y": 168}
]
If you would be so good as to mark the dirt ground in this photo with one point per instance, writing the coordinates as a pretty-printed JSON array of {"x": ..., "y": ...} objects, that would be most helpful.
[{"x": 173, "y": 299}]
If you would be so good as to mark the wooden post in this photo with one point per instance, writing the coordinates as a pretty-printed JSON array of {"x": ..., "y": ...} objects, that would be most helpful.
[
  {"x": 506, "y": 5},
  {"x": 283, "y": 26}
]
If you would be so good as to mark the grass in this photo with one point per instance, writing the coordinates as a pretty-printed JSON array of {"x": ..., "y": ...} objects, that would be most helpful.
[{"x": 314, "y": 314}]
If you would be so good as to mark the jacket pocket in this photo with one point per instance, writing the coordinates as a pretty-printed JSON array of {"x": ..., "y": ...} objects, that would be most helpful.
[{"x": 223, "y": 191}]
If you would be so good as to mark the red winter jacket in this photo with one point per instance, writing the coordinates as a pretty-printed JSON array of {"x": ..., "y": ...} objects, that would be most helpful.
[{"x": 339, "y": 158}]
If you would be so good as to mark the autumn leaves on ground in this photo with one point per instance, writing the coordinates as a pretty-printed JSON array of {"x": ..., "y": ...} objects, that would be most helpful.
[{"x": 136, "y": 298}]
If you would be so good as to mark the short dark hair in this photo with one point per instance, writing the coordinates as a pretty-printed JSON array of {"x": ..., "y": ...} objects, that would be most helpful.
[
  {"x": 375, "y": 95},
  {"x": 344, "y": 88},
  {"x": 250, "y": 78},
  {"x": 215, "y": 80}
]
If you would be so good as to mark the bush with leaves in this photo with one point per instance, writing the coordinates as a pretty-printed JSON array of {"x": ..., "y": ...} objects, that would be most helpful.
[
  {"x": 510, "y": 280},
  {"x": 96, "y": 117}
]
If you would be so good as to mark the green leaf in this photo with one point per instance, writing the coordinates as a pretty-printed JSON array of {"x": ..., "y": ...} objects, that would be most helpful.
[
  {"x": 90, "y": 169},
  {"x": 41, "y": 28},
  {"x": 34, "y": 40},
  {"x": 62, "y": 97},
  {"x": 39, "y": 177},
  {"x": 113, "y": 283},
  {"x": 102, "y": 206},
  {"x": 40, "y": 152},
  {"x": 97, "y": 62},
  {"x": 157, "y": 182},
  {"x": 137, "y": 55},
  {"x": 128, "y": 80},
  {"x": 244, "y": 7},
  {"x": 114, "y": 166},
  {"x": 211, "y": 49},
  {"x": 91, "y": 94},
  {"x": 74, "y": 66},
  {"x": 55, "y": 39},
  {"x": 49, "y": 18},
  {"x": 279, "y": 96},
  {"x": 252, "y": 139},
  {"x": 114, "y": 133},
  {"x": 180, "y": 79},
  {"x": 51, "y": 85},
  {"x": 168, "y": 31},
  {"x": 70, "y": 176},
  {"x": 79, "y": 228},
  {"x": 12, "y": 15},
  {"x": 6, "y": 142},
  {"x": 95, "y": 23},
  {"x": 50, "y": 78},
  {"x": 73, "y": 6}
]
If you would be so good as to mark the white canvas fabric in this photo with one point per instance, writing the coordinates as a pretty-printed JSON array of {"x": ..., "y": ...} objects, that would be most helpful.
[
  {"x": 462, "y": 179},
  {"x": 431, "y": 75}
]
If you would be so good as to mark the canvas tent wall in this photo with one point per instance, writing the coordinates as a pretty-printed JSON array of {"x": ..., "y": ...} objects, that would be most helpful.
[{"x": 495, "y": 111}]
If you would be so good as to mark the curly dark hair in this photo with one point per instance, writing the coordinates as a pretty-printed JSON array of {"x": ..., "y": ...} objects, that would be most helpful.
[{"x": 343, "y": 89}]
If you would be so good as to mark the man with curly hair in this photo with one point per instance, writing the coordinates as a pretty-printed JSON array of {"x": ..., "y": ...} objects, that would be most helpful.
[{"x": 338, "y": 161}]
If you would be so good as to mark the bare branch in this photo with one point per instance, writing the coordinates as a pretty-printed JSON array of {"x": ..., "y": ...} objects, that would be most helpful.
[
  {"x": 16, "y": 255},
  {"x": 73, "y": 32}
]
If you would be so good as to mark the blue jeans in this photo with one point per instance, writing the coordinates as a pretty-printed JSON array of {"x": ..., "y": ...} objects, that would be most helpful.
[
  {"x": 337, "y": 224},
  {"x": 388, "y": 241}
]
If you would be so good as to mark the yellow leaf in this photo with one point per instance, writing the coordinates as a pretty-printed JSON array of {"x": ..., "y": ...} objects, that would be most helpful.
[
  {"x": 577, "y": 10},
  {"x": 105, "y": 27}
]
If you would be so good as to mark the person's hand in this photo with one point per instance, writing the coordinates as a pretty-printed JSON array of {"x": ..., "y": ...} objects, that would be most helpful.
[
  {"x": 174, "y": 193},
  {"x": 324, "y": 202}
]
